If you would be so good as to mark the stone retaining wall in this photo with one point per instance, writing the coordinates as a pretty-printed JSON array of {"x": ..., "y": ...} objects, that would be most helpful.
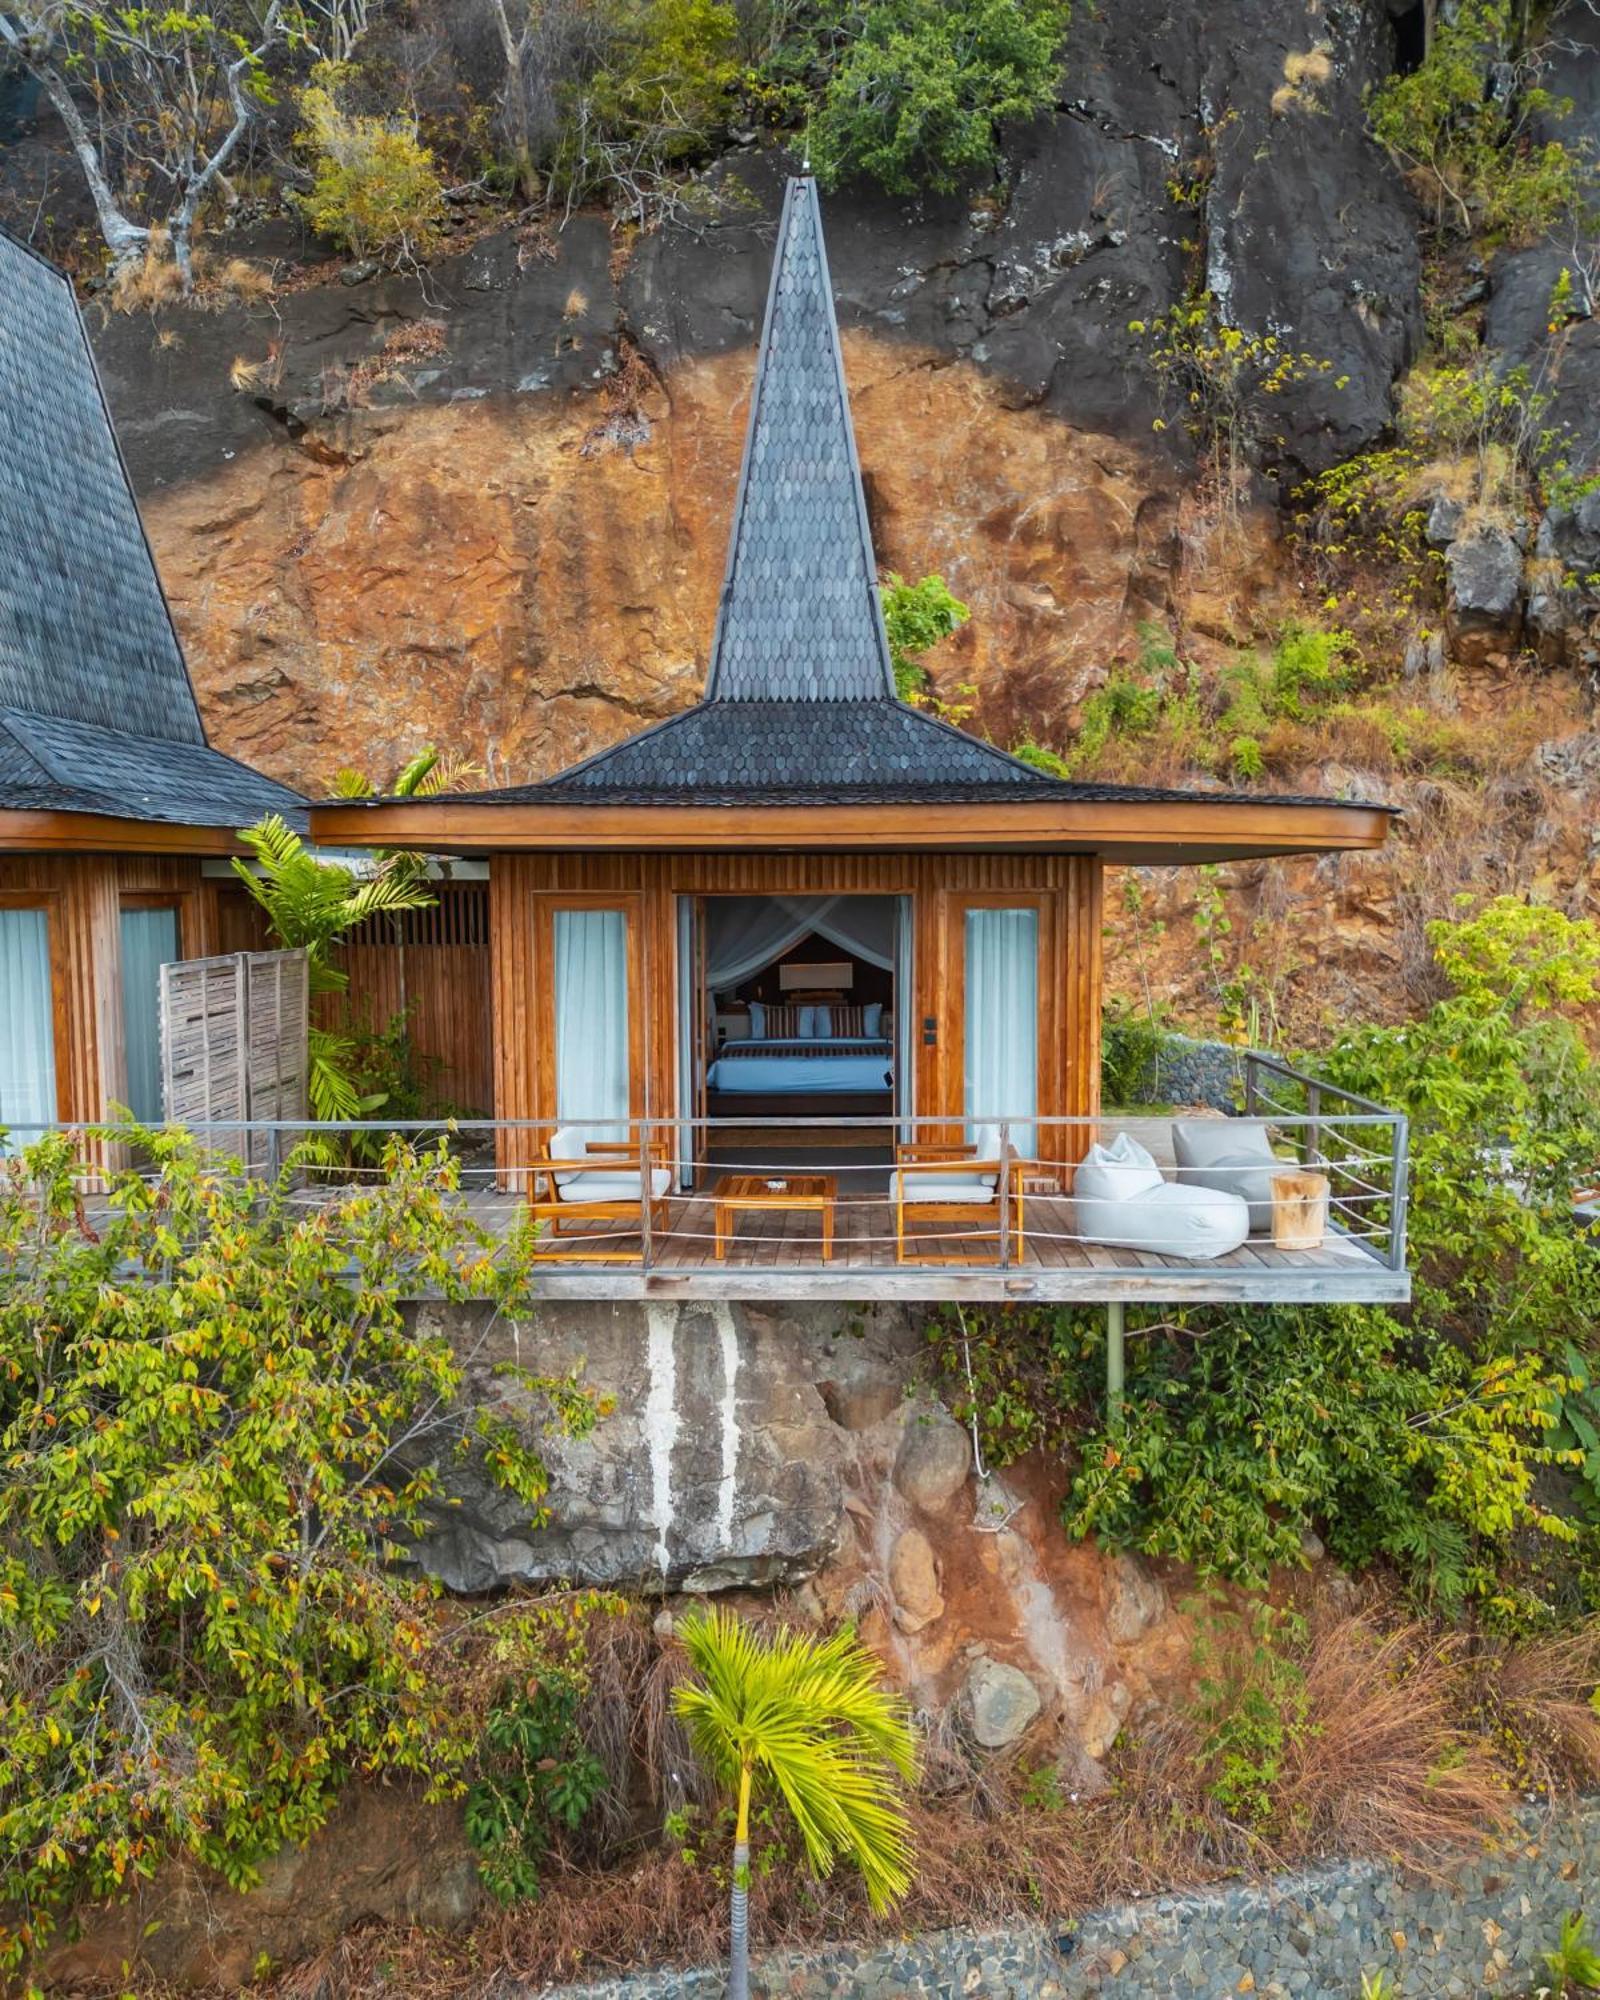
[{"x": 1479, "y": 1930}]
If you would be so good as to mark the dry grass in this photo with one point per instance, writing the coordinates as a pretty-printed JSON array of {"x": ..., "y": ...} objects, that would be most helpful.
[
  {"x": 219, "y": 282},
  {"x": 1395, "y": 1760},
  {"x": 1535, "y": 1706}
]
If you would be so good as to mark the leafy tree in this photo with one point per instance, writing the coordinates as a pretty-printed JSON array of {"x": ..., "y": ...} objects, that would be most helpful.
[
  {"x": 922, "y": 89},
  {"x": 809, "y": 1718},
  {"x": 219, "y": 1426},
  {"x": 156, "y": 102},
  {"x": 313, "y": 904},
  {"x": 917, "y": 616},
  {"x": 375, "y": 188}
]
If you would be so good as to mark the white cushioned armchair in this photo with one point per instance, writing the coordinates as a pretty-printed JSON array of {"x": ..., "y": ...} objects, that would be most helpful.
[
  {"x": 1121, "y": 1200},
  {"x": 583, "y": 1180}
]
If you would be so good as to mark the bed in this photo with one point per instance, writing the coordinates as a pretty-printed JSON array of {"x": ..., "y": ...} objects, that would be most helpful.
[{"x": 832, "y": 1066}]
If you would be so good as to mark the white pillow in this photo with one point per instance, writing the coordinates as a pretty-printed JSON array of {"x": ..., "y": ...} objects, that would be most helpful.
[
  {"x": 805, "y": 1025},
  {"x": 823, "y": 1026},
  {"x": 758, "y": 1021},
  {"x": 872, "y": 1019},
  {"x": 1121, "y": 1170}
]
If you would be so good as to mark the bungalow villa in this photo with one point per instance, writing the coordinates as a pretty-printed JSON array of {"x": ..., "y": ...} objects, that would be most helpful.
[
  {"x": 110, "y": 797},
  {"x": 798, "y": 993}
]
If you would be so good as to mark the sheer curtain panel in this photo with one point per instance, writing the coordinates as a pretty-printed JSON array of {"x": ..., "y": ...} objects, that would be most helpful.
[
  {"x": 591, "y": 979},
  {"x": 27, "y": 1025},
  {"x": 1001, "y": 1059},
  {"x": 149, "y": 941}
]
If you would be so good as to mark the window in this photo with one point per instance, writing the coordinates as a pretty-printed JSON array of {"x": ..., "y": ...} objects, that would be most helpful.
[
  {"x": 27, "y": 1024},
  {"x": 149, "y": 941}
]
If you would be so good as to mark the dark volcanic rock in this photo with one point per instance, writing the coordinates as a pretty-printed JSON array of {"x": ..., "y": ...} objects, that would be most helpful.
[
  {"x": 1174, "y": 152},
  {"x": 1483, "y": 570}
]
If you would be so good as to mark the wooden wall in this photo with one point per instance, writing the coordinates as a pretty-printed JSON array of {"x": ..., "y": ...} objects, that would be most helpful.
[
  {"x": 1067, "y": 889},
  {"x": 83, "y": 895}
]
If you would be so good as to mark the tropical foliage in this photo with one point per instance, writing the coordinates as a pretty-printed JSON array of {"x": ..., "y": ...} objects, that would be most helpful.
[
  {"x": 808, "y": 1720},
  {"x": 202, "y": 1358},
  {"x": 375, "y": 187},
  {"x": 917, "y": 616},
  {"x": 1454, "y": 1440},
  {"x": 312, "y": 904},
  {"x": 921, "y": 91}
]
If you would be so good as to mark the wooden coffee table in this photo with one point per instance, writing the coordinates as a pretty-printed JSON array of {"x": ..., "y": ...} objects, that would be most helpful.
[{"x": 782, "y": 1191}]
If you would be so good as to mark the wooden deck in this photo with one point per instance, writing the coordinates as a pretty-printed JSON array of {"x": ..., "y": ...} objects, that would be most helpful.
[{"x": 778, "y": 1255}]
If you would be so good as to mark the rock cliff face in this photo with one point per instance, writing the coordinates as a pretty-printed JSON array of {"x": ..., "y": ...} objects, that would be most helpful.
[{"x": 488, "y": 511}]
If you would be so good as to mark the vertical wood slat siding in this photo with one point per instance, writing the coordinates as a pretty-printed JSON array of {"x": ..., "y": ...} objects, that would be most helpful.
[
  {"x": 1070, "y": 960},
  {"x": 83, "y": 893}
]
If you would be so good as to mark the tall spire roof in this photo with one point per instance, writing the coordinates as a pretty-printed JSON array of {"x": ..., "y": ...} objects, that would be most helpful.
[{"x": 799, "y": 618}]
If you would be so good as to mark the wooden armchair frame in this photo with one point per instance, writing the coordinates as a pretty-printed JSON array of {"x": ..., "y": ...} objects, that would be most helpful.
[
  {"x": 552, "y": 1207},
  {"x": 936, "y": 1161}
]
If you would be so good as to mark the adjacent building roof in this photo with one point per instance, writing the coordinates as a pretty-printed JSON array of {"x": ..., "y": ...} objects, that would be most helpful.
[{"x": 97, "y": 712}]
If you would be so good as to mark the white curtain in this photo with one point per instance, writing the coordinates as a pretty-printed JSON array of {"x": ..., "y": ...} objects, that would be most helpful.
[
  {"x": 1002, "y": 1033},
  {"x": 149, "y": 941},
  {"x": 744, "y": 933},
  {"x": 27, "y": 1025},
  {"x": 591, "y": 973}
]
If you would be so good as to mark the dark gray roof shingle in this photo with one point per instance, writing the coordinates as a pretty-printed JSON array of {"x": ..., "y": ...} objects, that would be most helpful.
[
  {"x": 50, "y": 765},
  {"x": 799, "y": 618},
  {"x": 99, "y": 714}
]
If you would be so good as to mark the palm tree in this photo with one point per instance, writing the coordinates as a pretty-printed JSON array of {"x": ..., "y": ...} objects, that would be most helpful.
[
  {"x": 811, "y": 1718},
  {"x": 314, "y": 903}
]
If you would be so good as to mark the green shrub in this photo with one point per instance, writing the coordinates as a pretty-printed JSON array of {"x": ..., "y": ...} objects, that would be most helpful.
[
  {"x": 1252, "y": 1705},
  {"x": 921, "y": 90},
  {"x": 1131, "y": 1045},
  {"x": 219, "y": 1427},
  {"x": 917, "y": 616},
  {"x": 375, "y": 189},
  {"x": 1460, "y": 123},
  {"x": 536, "y": 1778}
]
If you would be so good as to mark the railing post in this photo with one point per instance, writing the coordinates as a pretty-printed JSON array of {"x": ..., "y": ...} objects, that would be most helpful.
[
  {"x": 1313, "y": 1138},
  {"x": 1400, "y": 1158},
  {"x": 1116, "y": 1359},
  {"x": 1004, "y": 1257},
  {"x": 646, "y": 1192},
  {"x": 1251, "y": 1094},
  {"x": 274, "y": 1156}
]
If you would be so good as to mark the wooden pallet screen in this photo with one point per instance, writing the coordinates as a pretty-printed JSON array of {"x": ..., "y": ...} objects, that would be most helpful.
[{"x": 234, "y": 1042}]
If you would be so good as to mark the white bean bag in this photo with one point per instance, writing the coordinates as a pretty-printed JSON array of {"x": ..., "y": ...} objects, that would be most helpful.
[
  {"x": 1231, "y": 1154},
  {"x": 1121, "y": 1200}
]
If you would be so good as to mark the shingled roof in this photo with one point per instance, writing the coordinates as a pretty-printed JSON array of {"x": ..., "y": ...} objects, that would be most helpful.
[
  {"x": 97, "y": 712},
  {"x": 800, "y": 705}
]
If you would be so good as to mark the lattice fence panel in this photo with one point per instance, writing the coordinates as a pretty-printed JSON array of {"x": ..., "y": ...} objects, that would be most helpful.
[{"x": 234, "y": 1043}]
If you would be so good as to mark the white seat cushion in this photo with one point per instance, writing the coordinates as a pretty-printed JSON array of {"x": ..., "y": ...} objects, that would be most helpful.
[
  {"x": 940, "y": 1186},
  {"x": 597, "y": 1184},
  {"x": 566, "y": 1144},
  {"x": 1173, "y": 1221}
]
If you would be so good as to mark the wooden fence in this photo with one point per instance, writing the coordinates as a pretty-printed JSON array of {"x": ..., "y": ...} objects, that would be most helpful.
[
  {"x": 430, "y": 965},
  {"x": 234, "y": 1041}
]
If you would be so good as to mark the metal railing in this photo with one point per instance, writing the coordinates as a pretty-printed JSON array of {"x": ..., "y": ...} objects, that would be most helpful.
[{"x": 1017, "y": 1202}]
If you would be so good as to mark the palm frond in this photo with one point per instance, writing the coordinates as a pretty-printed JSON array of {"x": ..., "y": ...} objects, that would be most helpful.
[
  {"x": 812, "y": 1717},
  {"x": 349, "y": 783},
  {"x": 410, "y": 778}
]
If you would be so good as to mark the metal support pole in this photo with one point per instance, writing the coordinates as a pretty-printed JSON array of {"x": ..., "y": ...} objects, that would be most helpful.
[{"x": 1116, "y": 1319}]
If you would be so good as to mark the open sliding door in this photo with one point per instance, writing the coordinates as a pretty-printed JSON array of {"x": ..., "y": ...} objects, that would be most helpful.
[{"x": 694, "y": 1038}]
